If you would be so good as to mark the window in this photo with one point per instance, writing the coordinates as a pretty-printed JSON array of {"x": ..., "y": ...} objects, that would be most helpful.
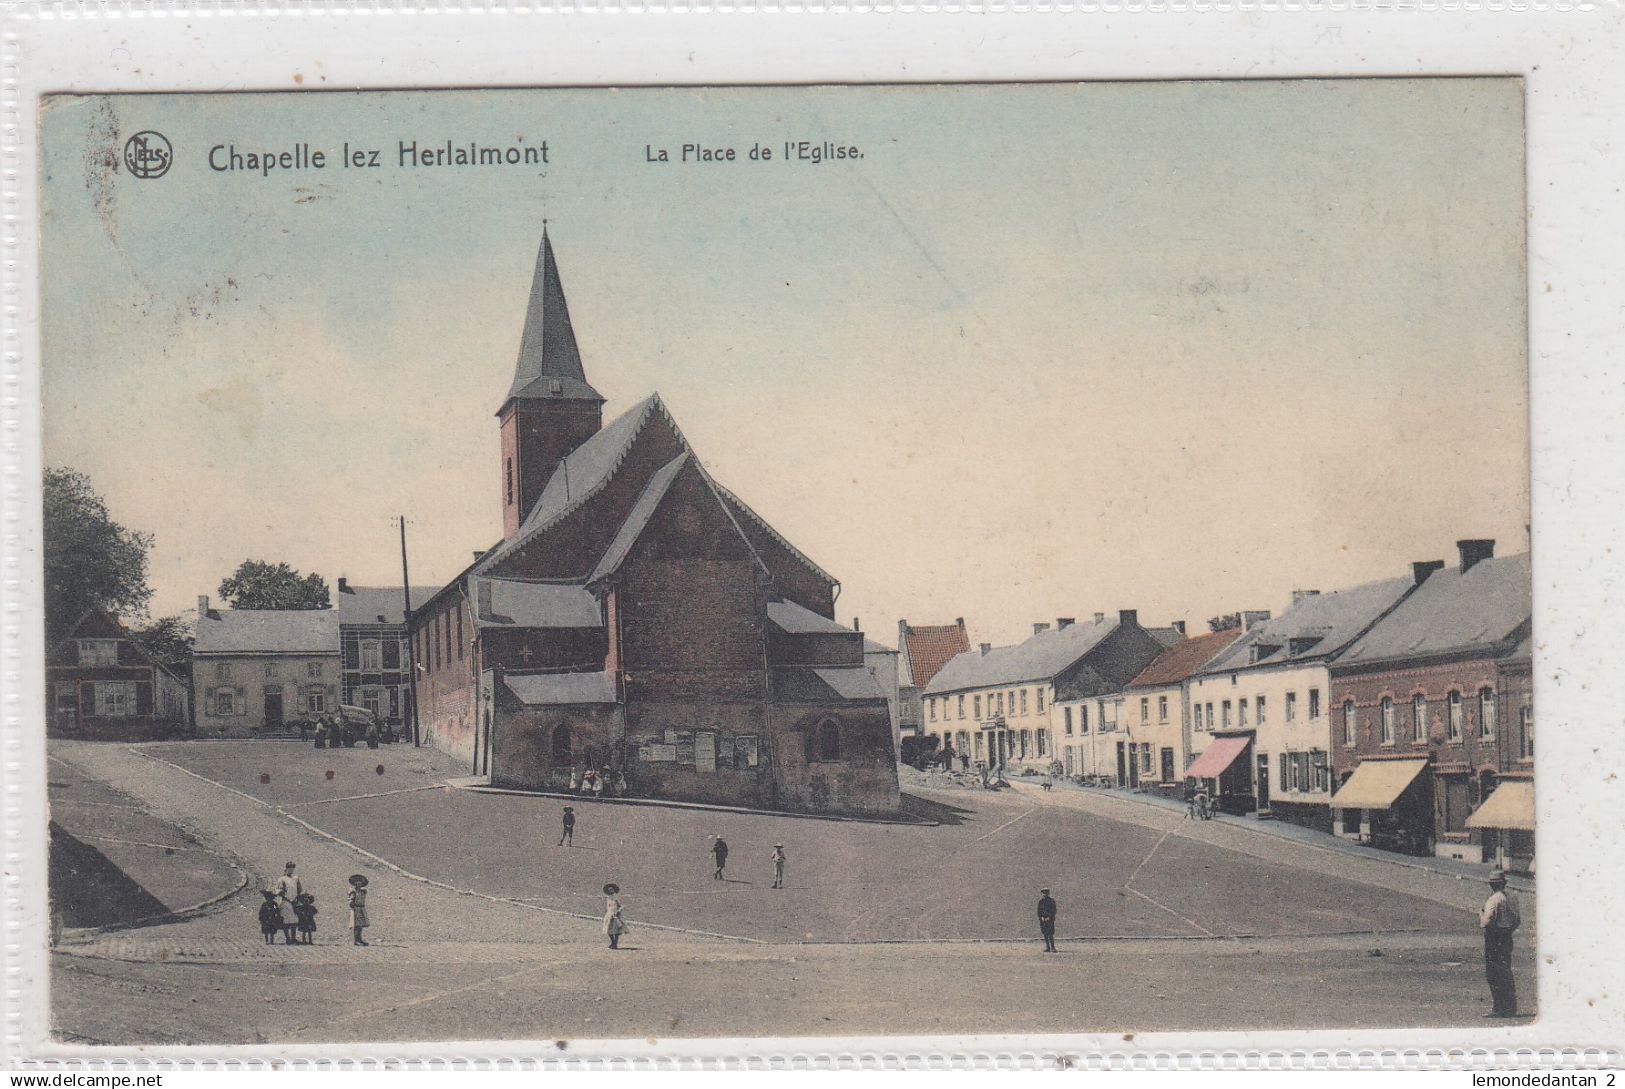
[
  {"x": 1145, "y": 758},
  {"x": 1023, "y": 701},
  {"x": 1026, "y": 742},
  {"x": 976, "y": 708},
  {"x": 1083, "y": 718},
  {"x": 1145, "y": 708},
  {"x": 1162, "y": 708},
  {"x": 1040, "y": 700},
  {"x": 1259, "y": 707},
  {"x": 931, "y": 708},
  {"x": 222, "y": 671},
  {"x": 115, "y": 699},
  {"x": 1526, "y": 734},
  {"x": 1320, "y": 770},
  {"x": 1241, "y": 712},
  {"x": 98, "y": 652},
  {"x": 825, "y": 741},
  {"x": 1349, "y": 721},
  {"x": 1043, "y": 741},
  {"x": 999, "y": 703},
  {"x": 1210, "y": 716},
  {"x": 1292, "y": 707},
  {"x": 1419, "y": 718},
  {"x": 507, "y": 481},
  {"x": 1066, "y": 721},
  {"x": 1286, "y": 772},
  {"x": 1387, "y": 720},
  {"x": 313, "y": 670},
  {"x": 315, "y": 700},
  {"x": 961, "y": 706},
  {"x": 459, "y": 613},
  {"x": 1486, "y": 713},
  {"x": 272, "y": 669},
  {"x": 372, "y": 655},
  {"x": 1453, "y": 717},
  {"x": 1314, "y": 704},
  {"x": 1225, "y": 707},
  {"x": 370, "y": 700},
  {"x": 224, "y": 702}
]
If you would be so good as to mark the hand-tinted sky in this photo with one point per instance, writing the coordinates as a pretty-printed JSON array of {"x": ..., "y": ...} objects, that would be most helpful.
[{"x": 1044, "y": 350}]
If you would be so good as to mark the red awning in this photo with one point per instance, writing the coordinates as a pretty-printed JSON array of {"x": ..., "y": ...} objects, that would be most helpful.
[{"x": 1219, "y": 755}]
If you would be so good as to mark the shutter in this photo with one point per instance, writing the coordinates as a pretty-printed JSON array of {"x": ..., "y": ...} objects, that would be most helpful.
[
  {"x": 1286, "y": 764},
  {"x": 87, "y": 698},
  {"x": 143, "y": 699},
  {"x": 208, "y": 701},
  {"x": 352, "y": 654},
  {"x": 240, "y": 700},
  {"x": 392, "y": 653}
]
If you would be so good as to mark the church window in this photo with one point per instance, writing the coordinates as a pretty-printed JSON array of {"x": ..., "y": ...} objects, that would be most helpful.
[
  {"x": 824, "y": 741},
  {"x": 459, "y": 634},
  {"x": 507, "y": 477}
]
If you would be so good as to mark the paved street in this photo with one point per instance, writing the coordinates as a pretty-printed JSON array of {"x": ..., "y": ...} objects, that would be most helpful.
[{"x": 484, "y": 928}]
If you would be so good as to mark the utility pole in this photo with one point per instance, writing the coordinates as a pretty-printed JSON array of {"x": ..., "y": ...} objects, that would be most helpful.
[{"x": 411, "y": 643}]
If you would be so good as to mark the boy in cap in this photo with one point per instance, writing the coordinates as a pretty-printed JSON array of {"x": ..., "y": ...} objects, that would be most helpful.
[
  {"x": 719, "y": 852},
  {"x": 1046, "y": 919},
  {"x": 778, "y": 865},
  {"x": 1498, "y": 920},
  {"x": 569, "y": 833}
]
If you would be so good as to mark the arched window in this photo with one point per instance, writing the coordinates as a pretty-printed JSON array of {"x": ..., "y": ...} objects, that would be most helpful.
[
  {"x": 1486, "y": 713},
  {"x": 561, "y": 746},
  {"x": 824, "y": 741},
  {"x": 1387, "y": 720},
  {"x": 1348, "y": 722},
  {"x": 1419, "y": 718},
  {"x": 1453, "y": 717}
]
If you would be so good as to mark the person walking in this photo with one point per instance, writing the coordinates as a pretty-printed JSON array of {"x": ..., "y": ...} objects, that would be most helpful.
[
  {"x": 288, "y": 890},
  {"x": 1046, "y": 919},
  {"x": 778, "y": 865},
  {"x": 1498, "y": 920},
  {"x": 568, "y": 835},
  {"x": 719, "y": 852},
  {"x": 614, "y": 925},
  {"x": 358, "y": 907}
]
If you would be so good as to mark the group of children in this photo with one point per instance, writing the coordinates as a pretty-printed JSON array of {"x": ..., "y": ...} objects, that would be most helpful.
[
  {"x": 607, "y": 783},
  {"x": 301, "y": 930}
]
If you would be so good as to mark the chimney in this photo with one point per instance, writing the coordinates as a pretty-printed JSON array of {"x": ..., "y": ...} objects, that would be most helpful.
[
  {"x": 483, "y": 600},
  {"x": 1179, "y": 626},
  {"x": 856, "y": 626},
  {"x": 1253, "y": 618},
  {"x": 344, "y": 585},
  {"x": 1299, "y": 595},
  {"x": 203, "y": 606},
  {"x": 1040, "y": 626},
  {"x": 1421, "y": 569},
  {"x": 960, "y": 621},
  {"x": 985, "y": 647},
  {"x": 1065, "y": 622},
  {"x": 1099, "y": 617},
  {"x": 1473, "y": 550},
  {"x": 1128, "y": 616}
]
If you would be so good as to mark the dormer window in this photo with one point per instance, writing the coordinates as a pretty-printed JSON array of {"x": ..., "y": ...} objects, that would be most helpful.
[
  {"x": 1302, "y": 645},
  {"x": 98, "y": 652},
  {"x": 1261, "y": 651}
]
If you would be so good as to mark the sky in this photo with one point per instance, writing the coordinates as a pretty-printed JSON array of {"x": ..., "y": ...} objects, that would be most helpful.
[{"x": 1043, "y": 350}]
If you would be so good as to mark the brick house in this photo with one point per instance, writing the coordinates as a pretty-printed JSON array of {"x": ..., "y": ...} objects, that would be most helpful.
[
  {"x": 922, "y": 649},
  {"x": 104, "y": 685},
  {"x": 637, "y": 615},
  {"x": 1419, "y": 737},
  {"x": 257, "y": 672},
  {"x": 375, "y": 669},
  {"x": 1156, "y": 706}
]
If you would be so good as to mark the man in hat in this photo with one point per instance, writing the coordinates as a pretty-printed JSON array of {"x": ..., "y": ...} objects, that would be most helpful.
[
  {"x": 288, "y": 889},
  {"x": 1498, "y": 920},
  {"x": 719, "y": 854},
  {"x": 778, "y": 865},
  {"x": 569, "y": 833},
  {"x": 1046, "y": 919}
]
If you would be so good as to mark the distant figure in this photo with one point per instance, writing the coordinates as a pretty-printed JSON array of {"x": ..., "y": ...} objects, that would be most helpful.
[
  {"x": 619, "y": 785},
  {"x": 606, "y": 781},
  {"x": 719, "y": 852},
  {"x": 1498, "y": 920},
  {"x": 614, "y": 925},
  {"x": 981, "y": 769},
  {"x": 1046, "y": 919},
  {"x": 270, "y": 917},
  {"x": 569, "y": 833},
  {"x": 321, "y": 732},
  {"x": 1048, "y": 782},
  {"x": 589, "y": 782},
  {"x": 778, "y": 865},
  {"x": 597, "y": 784},
  {"x": 947, "y": 758},
  {"x": 372, "y": 732},
  {"x": 358, "y": 907},
  {"x": 305, "y": 909},
  {"x": 288, "y": 889},
  {"x": 575, "y": 781},
  {"x": 964, "y": 761}
]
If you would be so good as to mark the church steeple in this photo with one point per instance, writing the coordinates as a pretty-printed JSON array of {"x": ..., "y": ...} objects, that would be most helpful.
[
  {"x": 550, "y": 409},
  {"x": 549, "y": 364}
]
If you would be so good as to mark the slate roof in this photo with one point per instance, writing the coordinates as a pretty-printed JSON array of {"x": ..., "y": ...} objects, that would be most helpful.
[
  {"x": 871, "y": 646},
  {"x": 366, "y": 604},
  {"x": 516, "y": 604},
  {"x": 826, "y": 685},
  {"x": 268, "y": 631},
  {"x": 1166, "y": 636},
  {"x": 548, "y": 354},
  {"x": 543, "y": 689},
  {"x": 1453, "y": 613},
  {"x": 1039, "y": 658},
  {"x": 1184, "y": 658},
  {"x": 794, "y": 619},
  {"x": 1332, "y": 620},
  {"x": 930, "y": 647},
  {"x": 627, "y": 536}
]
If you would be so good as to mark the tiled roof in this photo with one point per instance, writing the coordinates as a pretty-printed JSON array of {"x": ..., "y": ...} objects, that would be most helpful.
[
  {"x": 543, "y": 689},
  {"x": 930, "y": 647},
  {"x": 549, "y": 363},
  {"x": 1184, "y": 658},
  {"x": 378, "y": 604},
  {"x": 1453, "y": 613},
  {"x": 1039, "y": 658},
  {"x": 516, "y": 604},
  {"x": 1313, "y": 627},
  {"x": 268, "y": 631}
]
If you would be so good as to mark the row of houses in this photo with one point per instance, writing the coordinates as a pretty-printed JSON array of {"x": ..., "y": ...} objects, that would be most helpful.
[{"x": 1398, "y": 712}]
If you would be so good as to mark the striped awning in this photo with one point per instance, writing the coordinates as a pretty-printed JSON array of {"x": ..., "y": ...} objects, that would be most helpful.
[
  {"x": 1377, "y": 784},
  {"x": 1510, "y": 805},
  {"x": 1220, "y": 754}
]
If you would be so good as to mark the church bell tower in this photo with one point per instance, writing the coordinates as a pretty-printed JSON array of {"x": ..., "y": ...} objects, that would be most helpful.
[{"x": 550, "y": 409}]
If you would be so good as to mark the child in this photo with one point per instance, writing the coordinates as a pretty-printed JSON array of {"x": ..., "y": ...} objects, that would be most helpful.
[
  {"x": 358, "y": 906},
  {"x": 305, "y": 909},
  {"x": 568, "y": 835},
  {"x": 270, "y": 917}
]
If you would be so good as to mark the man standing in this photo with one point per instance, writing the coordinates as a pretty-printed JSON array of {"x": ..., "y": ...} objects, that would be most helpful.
[
  {"x": 1498, "y": 920},
  {"x": 719, "y": 851},
  {"x": 288, "y": 889},
  {"x": 778, "y": 865},
  {"x": 569, "y": 833},
  {"x": 1046, "y": 920}
]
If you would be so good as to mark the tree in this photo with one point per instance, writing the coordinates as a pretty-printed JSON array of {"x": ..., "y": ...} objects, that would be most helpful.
[
  {"x": 1227, "y": 622},
  {"x": 169, "y": 642},
  {"x": 260, "y": 585},
  {"x": 91, "y": 562}
]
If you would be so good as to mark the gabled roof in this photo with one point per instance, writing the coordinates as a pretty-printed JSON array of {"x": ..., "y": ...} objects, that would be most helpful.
[
  {"x": 516, "y": 604},
  {"x": 741, "y": 508},
  {"x": 97, "y": 624},
  {"x": 930, "y": 647},
  {"x": 1314, "y": 627},
  {"x": 826, "y": 684},
  {"x": 794, "y": 619},
  {"x": 1166, "y": 636},
  {"x": 1184, "y": 658},
  {"x": 549, "y": 365},
  {"x": 1039, "y": 658},
  {"x": 637, "y": 519},
  {"x": 268, "y": 631},
  {"x": 1453, "y": 613},
  {"x": 378, "y": 604}
]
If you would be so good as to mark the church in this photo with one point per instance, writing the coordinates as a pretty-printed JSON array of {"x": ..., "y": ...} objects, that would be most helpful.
[{"x": 637, "y": 615}]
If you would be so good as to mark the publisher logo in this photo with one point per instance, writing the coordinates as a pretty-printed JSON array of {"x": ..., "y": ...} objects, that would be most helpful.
[{"x": 148, "y": 155}]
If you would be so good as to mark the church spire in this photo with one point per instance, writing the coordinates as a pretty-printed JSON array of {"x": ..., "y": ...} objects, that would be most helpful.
[{"x": 549, "y": 366}]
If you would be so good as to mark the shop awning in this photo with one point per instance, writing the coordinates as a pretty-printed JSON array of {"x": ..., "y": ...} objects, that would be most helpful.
[
  {"x": 1510, "y": 805},
  {"x": 1218, "y": 756},
  {"x": 1377, "y": 784}
]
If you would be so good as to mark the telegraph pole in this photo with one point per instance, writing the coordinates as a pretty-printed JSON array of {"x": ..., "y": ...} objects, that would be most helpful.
[{"x": 411, "y": 643}]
